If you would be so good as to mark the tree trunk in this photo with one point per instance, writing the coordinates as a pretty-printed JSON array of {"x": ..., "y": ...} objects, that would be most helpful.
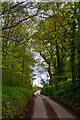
[
  {"x": 22, "y": 70},
  {"x": 79, "y": 48},
  {"x": 23, "y": 60},
  {"x": 73, "y": 52},
  {"x": 49, "y": 71},
  {"x": 58, "y": 57}
]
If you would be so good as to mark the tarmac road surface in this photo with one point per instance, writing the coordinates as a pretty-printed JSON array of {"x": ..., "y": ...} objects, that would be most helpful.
[{"x": 44, "y": 107}]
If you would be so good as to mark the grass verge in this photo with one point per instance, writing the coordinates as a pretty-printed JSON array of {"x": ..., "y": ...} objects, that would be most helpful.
[{"x": 14, "y": 100}]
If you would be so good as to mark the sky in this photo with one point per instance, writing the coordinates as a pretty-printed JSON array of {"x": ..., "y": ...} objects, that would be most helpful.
[
  {"x": 37, "y": 68},
  {"x": 37, "y": 81},
  {"x": 40, "y": 0}
]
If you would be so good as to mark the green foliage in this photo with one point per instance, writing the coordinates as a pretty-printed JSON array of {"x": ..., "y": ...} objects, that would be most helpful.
[
  {"x": 10, "y": 81},
  {"x": 34, "y": 88},
  {"x": 14, "y": 101},
  {"x": 67, "y": 92},
  {"x": 55, "y": 35},
  {"x": 48, "y": 90},
  {"x": 57, "y": 40},
  {"x": 17, "y": 61}
]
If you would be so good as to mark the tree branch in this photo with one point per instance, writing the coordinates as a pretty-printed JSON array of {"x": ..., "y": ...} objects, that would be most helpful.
[{"x": 21, "y": 21}]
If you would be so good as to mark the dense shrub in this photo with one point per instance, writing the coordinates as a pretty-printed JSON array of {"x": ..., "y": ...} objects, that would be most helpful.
[
  {"x": 14, "y": 100},
  {"x": 35, "y": 88},
  {"x": 67, "y": 92},
  {"x": 10, "y": 81},
  {"x": 48, "y": 90}
]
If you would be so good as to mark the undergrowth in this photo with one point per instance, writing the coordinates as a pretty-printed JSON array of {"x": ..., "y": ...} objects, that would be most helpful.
[
  {"x": 14, "y": 99},
  {"x": 66, "y": 92}
]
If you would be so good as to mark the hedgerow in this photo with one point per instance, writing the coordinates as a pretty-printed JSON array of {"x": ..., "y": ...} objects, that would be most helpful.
[
  {"x": 14, "y": 100},
  {"x": 67, "y": 92}
]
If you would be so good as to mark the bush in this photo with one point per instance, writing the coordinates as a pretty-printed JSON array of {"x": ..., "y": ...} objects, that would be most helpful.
[
  {"x": 10, "y": 81},
  {"x": 14, "y": 101},
  {"x": 67, "y": 92},
  {"x": 50, "y": 90}
]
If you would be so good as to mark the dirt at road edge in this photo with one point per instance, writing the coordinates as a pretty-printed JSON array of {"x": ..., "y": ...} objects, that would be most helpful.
[
  {"x": 51, "y": 113},
  {"x": 28, "y": 112}
]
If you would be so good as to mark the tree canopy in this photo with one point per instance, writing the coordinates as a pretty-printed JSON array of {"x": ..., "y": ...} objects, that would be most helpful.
[{"x": 52, "y": 29}]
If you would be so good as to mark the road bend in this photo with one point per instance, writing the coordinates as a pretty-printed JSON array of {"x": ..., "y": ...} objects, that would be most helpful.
[{"x": 44, "y": 107}]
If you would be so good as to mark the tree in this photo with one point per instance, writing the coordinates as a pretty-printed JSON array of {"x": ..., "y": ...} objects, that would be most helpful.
[{"x": 17, "y": 56}]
